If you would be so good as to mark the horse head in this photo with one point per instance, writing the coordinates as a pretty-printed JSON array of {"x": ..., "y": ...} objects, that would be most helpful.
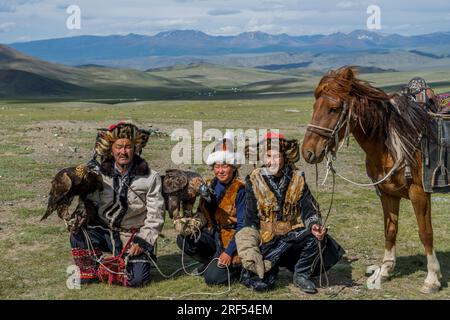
[{"x": 330, "y": 120}]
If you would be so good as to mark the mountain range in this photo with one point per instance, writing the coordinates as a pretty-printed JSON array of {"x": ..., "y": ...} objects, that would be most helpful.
[
  {"x": 191, "y": 46},
  {"x": 188, "y": 64}
]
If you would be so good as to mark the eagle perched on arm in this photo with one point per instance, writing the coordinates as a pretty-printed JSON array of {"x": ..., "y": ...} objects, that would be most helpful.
[
  {"x": 180, "y": 189},
  {"x": 68, "y": 183}
]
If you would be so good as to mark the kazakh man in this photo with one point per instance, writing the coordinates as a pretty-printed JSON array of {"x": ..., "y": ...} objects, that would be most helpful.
[
  {"x": 130, "y": 206},
  {"x": 282, "y": 224},
  {"x": 224, "y": 215}
]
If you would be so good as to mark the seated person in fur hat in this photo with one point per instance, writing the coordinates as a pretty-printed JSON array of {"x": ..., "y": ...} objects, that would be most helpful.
[
  {"x": 130, "y": 205},
  {"x": 282, "y": 224},
  {"x": 215, "y": 248}
]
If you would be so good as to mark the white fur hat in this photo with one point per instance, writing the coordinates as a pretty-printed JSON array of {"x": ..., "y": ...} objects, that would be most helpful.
[{"x": 224, "y": 153}]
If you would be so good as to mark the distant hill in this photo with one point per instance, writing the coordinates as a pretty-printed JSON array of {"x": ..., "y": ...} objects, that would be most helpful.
[
  {"x": 190, "y": 46},
  {"x": 22, "y": 76},
  {"x": 17, "y": 83},
  {"x": 25, "y": 77},
  {"x": 90, "y": 65}
]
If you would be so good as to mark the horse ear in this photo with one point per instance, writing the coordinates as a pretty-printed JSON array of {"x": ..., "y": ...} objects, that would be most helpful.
[{"x": 348, "y": 73}]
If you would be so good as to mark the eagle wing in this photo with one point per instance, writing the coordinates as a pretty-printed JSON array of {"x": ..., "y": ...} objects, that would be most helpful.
[{"x": 61, "y": 186}]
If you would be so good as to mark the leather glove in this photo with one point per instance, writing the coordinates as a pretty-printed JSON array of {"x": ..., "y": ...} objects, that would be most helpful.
[
  {"x": 190, "y": 225},
  {"x": 247, "y": 242}
]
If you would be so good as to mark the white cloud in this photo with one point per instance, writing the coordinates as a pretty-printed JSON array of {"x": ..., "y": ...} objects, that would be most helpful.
[
  {"x": 6, "y": 26},
  {"x": 254, "y": 25},
  {"x": 40, "y": 19},
  {"x": 346, "y": 4},
  {"x": 227, "y": 30},
  {"x": 11, "y": 5}
]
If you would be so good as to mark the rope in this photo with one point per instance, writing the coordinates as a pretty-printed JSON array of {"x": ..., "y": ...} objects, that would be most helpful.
[
  {"x": 191, "y": 274},
  {"x": 322, "y": 267},
  {"x": 387, "y": 176},
  {"x": 203, "y": 293},
  {"x": 196, "y": 235},
  {"x": 90, "y": 247},
  {"x": 92, "y": 250}
]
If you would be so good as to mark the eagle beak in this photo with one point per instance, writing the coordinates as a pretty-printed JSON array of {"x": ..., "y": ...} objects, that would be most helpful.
[{"x": 205, "y": 192}]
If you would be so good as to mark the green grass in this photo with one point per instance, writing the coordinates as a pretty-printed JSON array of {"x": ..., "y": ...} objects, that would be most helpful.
[{"x": 35, "y": 254}]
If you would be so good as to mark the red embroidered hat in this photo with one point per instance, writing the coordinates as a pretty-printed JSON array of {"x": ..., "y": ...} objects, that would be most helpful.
[
  {"x": 272, "y": 139},
  {"x": 113, "y": 126},
  {"x": 274, "y": 135}
]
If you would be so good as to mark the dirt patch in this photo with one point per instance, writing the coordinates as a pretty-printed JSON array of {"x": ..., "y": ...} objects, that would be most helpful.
[{"x": 54, "y": 141}]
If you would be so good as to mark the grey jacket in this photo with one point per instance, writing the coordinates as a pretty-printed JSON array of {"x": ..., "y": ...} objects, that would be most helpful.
[{"x": 144, "y": 206}]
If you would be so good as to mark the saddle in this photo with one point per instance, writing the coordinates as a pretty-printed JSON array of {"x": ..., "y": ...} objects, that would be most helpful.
[
  {"x": 443, "y": 103},
  {"x": 436, "y": 156}
]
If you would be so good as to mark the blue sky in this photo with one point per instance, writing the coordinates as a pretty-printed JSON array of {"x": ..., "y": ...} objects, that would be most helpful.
[{"x": 25, "y": 20}]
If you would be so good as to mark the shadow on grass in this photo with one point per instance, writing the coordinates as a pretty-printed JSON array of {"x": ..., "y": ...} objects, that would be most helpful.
[
  {"x": 408, "y": 265},
  {"x": 339, "y": 275},
  {"x": 170, "y": 263}
]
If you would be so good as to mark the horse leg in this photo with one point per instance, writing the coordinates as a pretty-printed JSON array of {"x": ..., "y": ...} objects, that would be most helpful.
[
  {"x": 391, "y": 207},
  {"x": 421, "y": 202}
]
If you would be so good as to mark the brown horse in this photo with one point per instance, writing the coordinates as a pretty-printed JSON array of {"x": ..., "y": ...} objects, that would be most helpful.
[{"x": 389, "y": 129}]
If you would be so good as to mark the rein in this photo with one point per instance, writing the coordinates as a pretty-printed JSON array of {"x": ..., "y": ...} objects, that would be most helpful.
[{"x": 333, "y": 135}]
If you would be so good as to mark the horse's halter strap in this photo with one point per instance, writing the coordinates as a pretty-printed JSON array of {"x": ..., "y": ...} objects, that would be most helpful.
[{"x": 333, "y": 134}]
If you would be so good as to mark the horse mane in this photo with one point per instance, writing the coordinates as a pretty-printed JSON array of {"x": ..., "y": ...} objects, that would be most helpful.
[{"x": 402, "y": 122}]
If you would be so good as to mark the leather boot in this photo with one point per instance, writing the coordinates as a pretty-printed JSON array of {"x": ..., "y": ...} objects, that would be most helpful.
[
  {"x": 305, "y": 266},
  {"x": 304, "y": 284},
  {"x": 252, "y": 281}
]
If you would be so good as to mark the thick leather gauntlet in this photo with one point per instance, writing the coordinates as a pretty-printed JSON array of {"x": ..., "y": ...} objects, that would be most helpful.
[{"x": 247, "y": 242}]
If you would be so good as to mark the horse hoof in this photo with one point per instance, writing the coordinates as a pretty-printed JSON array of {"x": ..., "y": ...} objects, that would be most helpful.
[
  {"x": 374, "y": 281},
  {"x": 429, "y": 289}
]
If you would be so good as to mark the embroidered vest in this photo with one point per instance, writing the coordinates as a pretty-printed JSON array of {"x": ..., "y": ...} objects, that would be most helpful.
[
  {"x": 267, "y": 205},
  {"x": 225, "y": 214}
]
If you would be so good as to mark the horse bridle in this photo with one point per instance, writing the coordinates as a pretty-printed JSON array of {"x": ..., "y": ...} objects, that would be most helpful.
[{"x": 333, "y": 134}]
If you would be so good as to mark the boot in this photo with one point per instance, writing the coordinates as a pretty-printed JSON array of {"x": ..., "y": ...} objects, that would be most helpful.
[
  {"x": 252, "y": 281},
  {"x": 304, "y": 283},
  {"x": 305, "y": 266}
]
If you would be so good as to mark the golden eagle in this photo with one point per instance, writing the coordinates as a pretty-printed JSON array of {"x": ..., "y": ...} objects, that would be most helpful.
[
  {"x": 181, "y": 188},
  {"x": 68, "y": 183}
]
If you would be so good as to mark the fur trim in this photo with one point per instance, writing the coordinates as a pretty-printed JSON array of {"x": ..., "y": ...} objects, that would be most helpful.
[
  {"x": 290, "y": 148},
  {"x": 233, "y": 158},
  {"x": 106, "y": 138},
  {"x": 141, "y": 166},
  {"x": 223, "y": 153}
]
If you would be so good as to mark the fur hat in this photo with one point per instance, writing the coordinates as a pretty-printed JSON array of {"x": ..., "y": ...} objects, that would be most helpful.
[
  {"x": 417, "y": 85},
  {"x": 290, "y": 148},
  {"x": 107, "y": 137},
  {"x": 224, "y": 152}
]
